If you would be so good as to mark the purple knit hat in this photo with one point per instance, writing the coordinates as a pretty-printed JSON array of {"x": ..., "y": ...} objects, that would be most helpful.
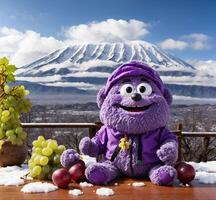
[{"x": 133, "y": 68}]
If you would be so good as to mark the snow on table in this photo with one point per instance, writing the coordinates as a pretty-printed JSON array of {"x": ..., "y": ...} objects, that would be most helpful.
[
  {"x": 12, "y": 175},
  {"x": 209, "y": 166},
  {"x": 138, "y": 184},
  {"x": 85, "y": 184},
  {"x": 38, "y": 187},
  {"x": 206, "y": 178},
  {"x": 75, "y": 192},
  {"x": 88, "y": 160},
  {"x": 104, "y": 191},
  {"x": 205, "y": 171}
]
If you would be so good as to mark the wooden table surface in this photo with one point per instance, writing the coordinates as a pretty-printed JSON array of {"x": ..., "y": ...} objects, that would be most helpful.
[{"x": 122, "y": 191}]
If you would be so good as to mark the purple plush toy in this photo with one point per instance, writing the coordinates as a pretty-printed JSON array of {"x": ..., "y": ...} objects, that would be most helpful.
[{"x": 134, "y": 107}]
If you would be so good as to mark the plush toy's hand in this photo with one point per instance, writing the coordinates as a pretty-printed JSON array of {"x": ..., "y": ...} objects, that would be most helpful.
[
  {"x": 69, "y": 157},
  {"x": 88, "y": 147},
  {"x": 168, "y": 153}
]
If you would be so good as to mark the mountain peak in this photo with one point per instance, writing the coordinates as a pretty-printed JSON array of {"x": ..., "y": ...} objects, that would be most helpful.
[
  {"x": 86, "y": 66},
  {"x": 118, "y": 52}
]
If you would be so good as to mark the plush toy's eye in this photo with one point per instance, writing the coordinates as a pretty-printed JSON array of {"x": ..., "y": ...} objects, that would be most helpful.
[
  {"x": 144, "y": 89},
  {"x": 126, "y": 90}
]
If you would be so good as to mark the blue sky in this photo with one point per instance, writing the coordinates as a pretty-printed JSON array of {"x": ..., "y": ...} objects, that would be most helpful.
[{"x": 176, "y": 25}]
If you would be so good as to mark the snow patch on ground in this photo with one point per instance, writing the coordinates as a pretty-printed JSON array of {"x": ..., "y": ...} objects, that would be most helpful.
[
  {"x": 209, "y": 166},
  {"x": 88, "y": 160},
  {"x": 104, "y": 191},
  {"x": 12, "y": 175},
  {"x": 85, "y": 184},
  {"x": 75, "y": 192},
  {"x": 138, "y": 184},
  {"x": 205, "y": 171},
  {"x": 11, "y": 181},
  {"x": 206, "y": 178},
  {"x": 38, "y": 187}
]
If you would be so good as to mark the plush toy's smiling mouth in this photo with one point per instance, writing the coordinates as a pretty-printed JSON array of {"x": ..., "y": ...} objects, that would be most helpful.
[{"x": 135, "y": 108}]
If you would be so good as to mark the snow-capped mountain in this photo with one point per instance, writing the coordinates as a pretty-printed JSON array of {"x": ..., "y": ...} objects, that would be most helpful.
[
  {"x": 85, "y": 68},
  {"x": 114, "y": 53}
]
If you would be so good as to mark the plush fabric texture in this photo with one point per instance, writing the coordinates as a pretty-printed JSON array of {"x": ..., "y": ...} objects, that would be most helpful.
[
  {"x": 163, "y": 175},
  {"x": 86, "y": 146},
  {"x": 116, "y": 118},
  {"x": 134, "y": 68},
  {"x": 102, "y": 173},
  {"x": 69, "y": 157},
  {"x": 140, "y": 116},
  {"x": 168, "y": 153}
]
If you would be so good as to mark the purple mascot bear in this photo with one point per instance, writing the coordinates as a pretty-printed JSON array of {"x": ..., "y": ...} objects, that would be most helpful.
[{"x": 134, "y": 140}]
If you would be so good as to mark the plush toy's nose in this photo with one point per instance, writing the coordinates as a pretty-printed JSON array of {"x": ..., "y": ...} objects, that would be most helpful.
[{"x": 136, "y": 97}]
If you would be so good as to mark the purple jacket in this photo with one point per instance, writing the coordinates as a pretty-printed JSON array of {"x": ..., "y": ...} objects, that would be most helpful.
[{"x": 108, "y": 139}]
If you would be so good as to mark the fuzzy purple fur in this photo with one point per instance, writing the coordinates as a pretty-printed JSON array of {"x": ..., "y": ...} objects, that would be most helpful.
[
  {"x": 101, "y": 173},
  {"x": 87, "y": 147},
  {"x": 163, "y": 175},
  {"x": 69, "y": 157},
  {"x": 112, "y": 115},
  {"x": 146, "y": 128},
  {"x": 168, "y": 153}
]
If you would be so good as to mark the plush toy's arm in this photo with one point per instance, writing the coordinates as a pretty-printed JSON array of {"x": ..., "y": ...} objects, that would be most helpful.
[
  {"x": 69, "y": 157},
  {"x": 95, "y": 146},
  {"x": 168, "y": 152}
]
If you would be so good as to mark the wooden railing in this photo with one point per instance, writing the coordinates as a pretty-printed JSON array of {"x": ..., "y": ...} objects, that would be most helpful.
[{"x": 94, "y": 127}]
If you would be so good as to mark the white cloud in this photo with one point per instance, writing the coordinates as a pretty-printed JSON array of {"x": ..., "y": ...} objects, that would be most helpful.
[
  {"x": 110, "y": 30},
  {"x": 79, "y": 85},
  {"x": 205, "y": 74},
  {"x": 197, "y": 36},
  {"x": 192, "y": 100},
  {"x": 204, "y": 66},
  {"x": 173, "y": 44},
  {"x": 198, "y": 41},
  {"x": 195, "y": 41},
  {"x": 198, "y": 79},
  {"x": 38, "y": 79},
  {"x": 88, "y": 74},
  {"x": 25, "y": 47}
]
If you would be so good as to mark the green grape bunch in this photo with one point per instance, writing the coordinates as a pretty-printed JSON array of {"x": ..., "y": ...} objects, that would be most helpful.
[
  {"x": 45, "y": 158},
  {"x": 13, "y": 103}
]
